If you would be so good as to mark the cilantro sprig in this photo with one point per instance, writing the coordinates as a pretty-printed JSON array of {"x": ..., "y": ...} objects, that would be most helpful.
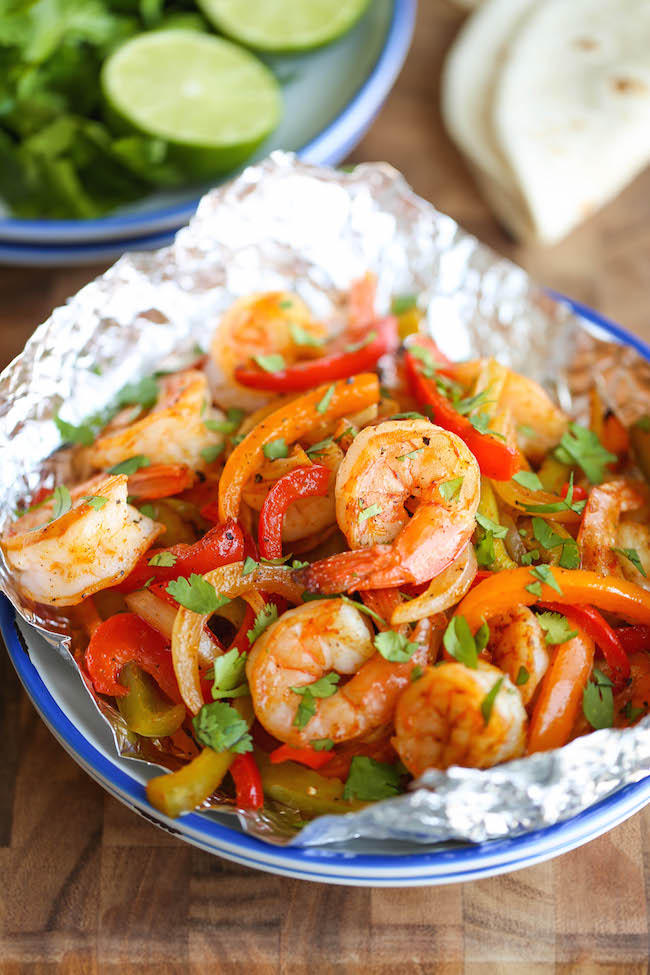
[
  {"x": 196, "y": 594},
  {"x": 221, "y": 727},
  {"x": 324, "y": 687},
  {"x": 370, "y": 780},
  {"x": 581, "y": 446},
  {"x": 598, "y": 701},
  {"x": 461, "y": 644}
]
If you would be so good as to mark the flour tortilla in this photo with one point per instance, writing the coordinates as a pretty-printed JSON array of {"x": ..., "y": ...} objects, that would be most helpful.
[
  {"x": 571, "y": 106},
  {"x": 469, "y": 79}
]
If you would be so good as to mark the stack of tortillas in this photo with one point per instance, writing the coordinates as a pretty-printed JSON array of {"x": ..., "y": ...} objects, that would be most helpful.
[{"x": 549, "y": 100}]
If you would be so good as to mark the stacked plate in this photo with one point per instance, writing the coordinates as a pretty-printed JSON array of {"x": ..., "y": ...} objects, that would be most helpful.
[{"x": 331, "y": 97}]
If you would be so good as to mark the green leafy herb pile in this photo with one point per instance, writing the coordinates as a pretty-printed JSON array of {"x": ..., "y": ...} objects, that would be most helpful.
[{"x": 59, "y": 156}]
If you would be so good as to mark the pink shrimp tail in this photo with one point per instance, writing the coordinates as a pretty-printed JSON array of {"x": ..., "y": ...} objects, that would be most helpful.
[{"x": 366, "y": 568}]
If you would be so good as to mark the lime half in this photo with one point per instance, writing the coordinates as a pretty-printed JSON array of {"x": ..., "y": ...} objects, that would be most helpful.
[
  {"x": 212, "y": 101},
  {"x": 283, "y": 25}
]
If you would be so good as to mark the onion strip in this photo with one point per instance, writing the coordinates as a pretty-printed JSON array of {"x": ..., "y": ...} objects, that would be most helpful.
[{"x": 444, "y": 591}]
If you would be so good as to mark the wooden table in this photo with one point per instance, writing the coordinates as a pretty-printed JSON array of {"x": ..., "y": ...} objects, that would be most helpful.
[{"x": 87, "y": 886}]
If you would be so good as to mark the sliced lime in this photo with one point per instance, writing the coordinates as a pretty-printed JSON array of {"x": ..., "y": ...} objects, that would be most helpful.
[
  {"x": 212, "y": 101},
  {"x": 283, "y": 25}
]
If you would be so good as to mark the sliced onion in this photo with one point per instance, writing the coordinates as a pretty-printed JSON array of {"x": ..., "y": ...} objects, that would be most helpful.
[
  {"x": 444, "y": 591},
  {"x": 521, "y": 498},
  {"x": 154, "y": 611},
  {"x": 188, "y": 627}
]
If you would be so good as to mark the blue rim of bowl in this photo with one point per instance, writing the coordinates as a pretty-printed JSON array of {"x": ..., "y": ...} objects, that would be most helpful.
[
  {"x": 323, "y": 864},
  {"x": 328, "y": 148}
]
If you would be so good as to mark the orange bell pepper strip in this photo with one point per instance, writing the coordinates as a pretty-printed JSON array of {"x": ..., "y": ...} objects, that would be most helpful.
[
  {"x": 560, "y": 695},
  {"x": 291, "y": 422},
  {"x": 579, "y": 587}
]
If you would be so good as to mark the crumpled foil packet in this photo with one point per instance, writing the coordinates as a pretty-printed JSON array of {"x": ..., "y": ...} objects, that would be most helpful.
[{"x": 283, "y": 224}]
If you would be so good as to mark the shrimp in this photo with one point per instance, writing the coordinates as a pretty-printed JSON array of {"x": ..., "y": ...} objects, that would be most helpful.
[
  {"x": 276, "y": 323},
  {"x": 88, "y": 548},
  {"x": 516, "y": 642},
  {"x": 309, "y": 642},
  {"x": 597, "y": 537},
  {"x": 175, "y": 431},
  {"x": 439, "y": 720},
  {"x": 406, "y": 495}
]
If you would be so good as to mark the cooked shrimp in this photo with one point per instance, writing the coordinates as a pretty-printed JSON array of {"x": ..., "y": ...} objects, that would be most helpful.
[
  {"x": 87, "y": 549},
  {"x": 439, "y": 720},
  {"x": 307, "y": 516},
  {"x": 173, "y": 432},
  {"x": 518, "y": 648},
  {"x": 270, "y": 323},
  {"x": 597, "y": 537},
  {"x": 304, "y": 645},
  {"x": 390, "y": 470}
]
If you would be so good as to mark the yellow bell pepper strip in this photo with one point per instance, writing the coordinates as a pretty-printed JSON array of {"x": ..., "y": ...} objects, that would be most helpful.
[
  {"x": 182, "y": 791},
  {"x": 303, "y": 789},
  {"x": 503, "y": 590},
  {"x": 288, "y": 424},
  {"x": 145, "y": 709},
  {"x": 553, "y": 474},
  {"x": 560, "y": 695}
]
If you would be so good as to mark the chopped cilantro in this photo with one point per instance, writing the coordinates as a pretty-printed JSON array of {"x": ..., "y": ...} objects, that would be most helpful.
[
  {"x": 481, "y": 422},
  {"x": 356, "y": 346},
  {"x": 403, "y": 303},
  {"x": 485, "y": 554},
  {"x": 325, "y": 686},
  {"x": 450, "y": 490},
  {"x": 631, "y": 713},
  {"x": 270, "y": 363},
  {"x": 267, "y": 615},
  {"x": 487, "y": 704},
  {"x": 210, "y": 454},
  {"x": 526, "y": 431},
  {"x": 412, "y": 455},
  {"x": 144, "y": 392},
  {"x": 166, "y": 559},
  {"x": 301, "y": 336},
  {"x": 632, "y": 556},
  {"x": 425, "y": 356},
  {"x": 570, "y": 557},
  {"x": 83, "y": 434},
  {"x": 545, "y": 535},
  {"x": 220, "y": 727},
  {"x": 130, "y": 466},
  {"x": 149, "y": 511},
  {"x": 522, "y": 676},
  {"x": 62, "y": 502},
  {"x": 275, "y": 449},
  {"x": 535, "y": 589},
  {"x": 370, "y": 512},
  {"x": 196, "y": 594},
  {"x": 461, "y": 644},
  {"x": 566, "y": 504},
  {"x": 249, "y": 566},
  {"x": 544, "y": 574},
  {"x": 95, "y": 501},
  {"x": 581, "y": 446},
  {"x": 528, "y": 479},
  {"x": 395, "y": 646},
  {"x": 499, "y": 531},
  {"x": 229, "y": 675},
  {"x": 416, "y": 673},
  {"x": 410, "y": 415},
  {"x": 557, "y": 628},
  {"x": 598, "y": 701},
  {"x": 364, "y": 609},
  {"x": 530, "y": 557},
  {"x": 319, "y": 447},
  {"x": 323, "y": 405},
  {"x": 370, "y": 780},
  {"x": 322, "y": 744}
]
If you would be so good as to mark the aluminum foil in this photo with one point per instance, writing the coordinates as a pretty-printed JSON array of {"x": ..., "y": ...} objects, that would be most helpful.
[{"x": 283, "y": 224}]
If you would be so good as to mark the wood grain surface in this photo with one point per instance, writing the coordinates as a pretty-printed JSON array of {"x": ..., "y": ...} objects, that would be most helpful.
[{"x": 87, "y": 886}]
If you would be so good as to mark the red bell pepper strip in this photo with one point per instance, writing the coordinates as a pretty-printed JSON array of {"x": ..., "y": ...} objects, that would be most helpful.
[
  {"x": 496, "y": 459},
  {"x": 634, "y": 639},
  {"x": 241, "y": 641},
  {"x": 303, "y": 482},
  {"x": 305, "y": 756},
  {"x": 248, "y": 782},
  {"x": 126, "y": 638},
  {"x": 604, "y": 636},
  {"x": 579, "y": 493},
  {"x": 348, "y": 360},
  {"x": 221, "y": 545},
  {"x": 210, "y": 512}
]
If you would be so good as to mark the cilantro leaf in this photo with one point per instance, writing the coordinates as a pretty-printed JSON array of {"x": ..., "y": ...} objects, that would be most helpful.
[
  {"x": 220, "y": 727},
  {"x": 570, "y": 557},
  {"x": 598, "y": 701},
  {"x": 95, "y": 501},
  {"x": 370, "y": 780},
  {"x": 301, "y": 336},
  {"x": 62, "y": 502},
  {"x": 275, "y": 449},
  {"x": 267, "y": 615},
  {"x": 416, "y": 673},
  {"x": 395, "y": 646},
  {"x": 324, "y": 687},
  {"x": 410, "y": 415},
  {"x": 130, "y": 466},
  {"x": 530, "y": 557},
  {"x": 487, "y": 704},
  {"x": 544, "y": 574},
  {"x": 557, "y": 628},
  {"x": 528, "y": 479},
  {"x": 319, "y": 447},
  {"x": 522, "y": 676},
  {"x": 499, "y": 531},
  {"x": 370, "y": 512},
  {"x": 323, "y": 405},
  {"x": 322, "y": 744},
  {"x": 632, "y": 556},
  {"x": 485, "y": 554},
  {"x": 451, "y": 489},
  {"x": 581, "y": 446},
  {"x": 149, "y": 511},
  {"x": 210, "y": 454},
  {"x": 70, "y": 433},
  {"x": 144, "y": 392},
  {"x": 425, "y": 356},
  {"x": 631, "y": 713},
  {"x": 166, "y": 559},
  {"x": 460, "y": 643},
  {"x": 545, "y": 535},
  {"x": 411, "y": 455},
  {"x": 403, "y": 303},
  {"x": 270, "y": 363},
  {"x": 535, "y": 589},
  {"x": 306, "y": 710},
  {"x": 249, "y": 566},
  {"x": 229, "y": 675},
  {"x": 481, "y": 422},
  {"x": 362, "y": 608},
  {"x": 196, "y": 594}
]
